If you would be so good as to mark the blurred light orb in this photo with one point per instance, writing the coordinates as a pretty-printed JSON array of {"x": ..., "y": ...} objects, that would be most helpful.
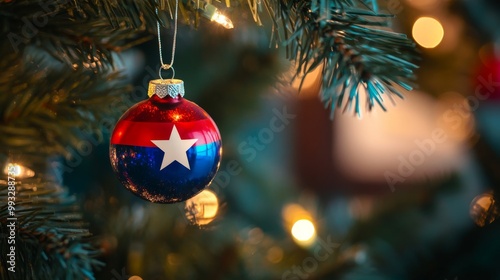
[
  {"x": 255, "y": 235},
  {"x": 383, "y": 143},
  {"x": 135, "y": 277},
  {"x": 19, "y": 171},
  {"x": 174, "y": 259},
  {"x": 428, "y": 32},
  {"x": 202, "y": 208},
  {"x": 484, "y": 209},
  {"x": 303, "y": 231},
  {"x": 274, "y": 254}
]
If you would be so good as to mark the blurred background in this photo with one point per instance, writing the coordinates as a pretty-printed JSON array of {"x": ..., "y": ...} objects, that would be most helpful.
[{"x": 404, "y": 194}]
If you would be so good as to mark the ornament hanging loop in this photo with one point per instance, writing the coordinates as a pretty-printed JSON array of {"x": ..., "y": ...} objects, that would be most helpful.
[
  {"x": 166, "y": 67},
  {"x": 170, "y": 65}
]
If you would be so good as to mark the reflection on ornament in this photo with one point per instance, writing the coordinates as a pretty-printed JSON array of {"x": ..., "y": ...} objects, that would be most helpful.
[
  {"x": 213, "y": 14},
  {"x": 202, "y": 208},
  {"x": 18, "y": 171},
  {"x": 484, "y": 209},
  {"x": 135, "y": 277},
  {"x": 304, "y": 232}
]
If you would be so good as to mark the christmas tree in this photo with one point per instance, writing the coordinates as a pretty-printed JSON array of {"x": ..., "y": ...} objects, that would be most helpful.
[{"x": 306, "y": 189}]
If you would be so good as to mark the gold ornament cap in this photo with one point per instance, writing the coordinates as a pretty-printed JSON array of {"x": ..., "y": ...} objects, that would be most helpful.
[{"x": 166, "y": 87}]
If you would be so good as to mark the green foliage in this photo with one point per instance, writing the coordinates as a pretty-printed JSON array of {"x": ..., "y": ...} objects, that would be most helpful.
[
  {"x": 57, "y": 87},
  {"x": 345, "y": 39},
  {"x": 48, "y": 117},
  {"x": 58, "y": 84},
  {"x": 75, "y": 32},
  {"x": 49, "y": 234}
]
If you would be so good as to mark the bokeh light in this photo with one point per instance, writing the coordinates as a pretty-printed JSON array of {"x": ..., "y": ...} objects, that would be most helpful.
[
  {"x": 18, "y": 170},
  {"x": 202, "y": 208},
  {"x": 300, "y": 224},
  {"x": 274, "y": 254},
  {"x": 303, "y": 231},
  {"x": 428, "y": 32}
]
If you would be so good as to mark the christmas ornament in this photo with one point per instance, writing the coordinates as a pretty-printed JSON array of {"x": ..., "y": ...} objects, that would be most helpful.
[
  {"x": 165, "y": 149},
  {"x": 484, "y": 209},
  {"x": 202, "y": 208}
]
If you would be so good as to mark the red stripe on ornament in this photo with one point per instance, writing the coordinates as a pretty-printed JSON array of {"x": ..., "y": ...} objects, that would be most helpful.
[{"x": 141, "y": 133}]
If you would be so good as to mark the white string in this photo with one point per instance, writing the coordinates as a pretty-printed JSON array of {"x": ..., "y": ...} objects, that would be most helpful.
[{"x": 165, "y": 66}]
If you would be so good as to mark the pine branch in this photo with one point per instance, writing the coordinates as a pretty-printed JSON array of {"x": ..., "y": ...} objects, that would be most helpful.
[
  {"x": 346, "y": 39},
  {"x": 76, "y": 32},
  {"x": 49, "y": 117},
  {"x": 47, "y": 110},
  {"x": 342, "y": 36},
  {"x": 50, "y": 241},
  {"x": 48, "y": 106}
]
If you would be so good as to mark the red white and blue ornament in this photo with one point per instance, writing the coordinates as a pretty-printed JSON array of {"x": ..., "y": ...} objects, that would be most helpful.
[{"x": 165, "y": 149}]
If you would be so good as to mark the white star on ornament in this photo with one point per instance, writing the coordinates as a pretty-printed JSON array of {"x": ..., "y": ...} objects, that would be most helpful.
[{"x": 175, "y": 149}]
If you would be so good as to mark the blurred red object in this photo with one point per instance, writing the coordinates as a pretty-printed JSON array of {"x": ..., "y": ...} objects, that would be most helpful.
[{"x": 486, "y": 78}]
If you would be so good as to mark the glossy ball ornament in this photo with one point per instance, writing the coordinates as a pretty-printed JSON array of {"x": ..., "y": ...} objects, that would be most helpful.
[
  {"x": 484, "y": 209},
  {"x": 165, "y": 149}
]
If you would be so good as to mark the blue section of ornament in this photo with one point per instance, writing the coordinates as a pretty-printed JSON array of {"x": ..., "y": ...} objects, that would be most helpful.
[{"x": 138, "y": 169}]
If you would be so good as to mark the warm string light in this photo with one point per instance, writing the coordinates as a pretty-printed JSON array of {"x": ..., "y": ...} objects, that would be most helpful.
[
  {"x": 222, "y": 20},
  {"x": 212, "y": 13},
  {"x": 20, "y": 171}
]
